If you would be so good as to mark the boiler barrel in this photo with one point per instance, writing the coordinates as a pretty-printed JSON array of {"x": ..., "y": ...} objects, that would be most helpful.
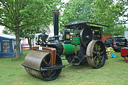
[{"x": 70, "y": 49}]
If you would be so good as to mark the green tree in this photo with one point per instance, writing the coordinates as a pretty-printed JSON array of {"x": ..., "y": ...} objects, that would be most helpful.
[
  {"x": 119, "y": 30},
  {"x": 107, "y": 12},
  {"x": 7, "y": 31},
  {"x": 125, "y": 13},
  {"x": 76, "y": 10},
  {"x": 20, "y": 14}
]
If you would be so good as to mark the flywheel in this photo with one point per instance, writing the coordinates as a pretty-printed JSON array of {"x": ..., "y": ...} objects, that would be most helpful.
[
  {"x": 96, "y": 54},
  {"x": 86, "y": 36}
]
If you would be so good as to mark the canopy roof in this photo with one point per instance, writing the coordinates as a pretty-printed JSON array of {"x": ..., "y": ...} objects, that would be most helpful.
[
  {"x": 81, "y": 24},
  {"x": 8, "y": 36}
]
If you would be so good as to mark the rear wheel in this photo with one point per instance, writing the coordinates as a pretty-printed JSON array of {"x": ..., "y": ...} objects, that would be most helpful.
[{"x": 96, "y": 54}]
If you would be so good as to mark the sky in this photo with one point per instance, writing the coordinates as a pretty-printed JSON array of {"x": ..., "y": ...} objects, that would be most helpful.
[{"x": 1, "y": 29}]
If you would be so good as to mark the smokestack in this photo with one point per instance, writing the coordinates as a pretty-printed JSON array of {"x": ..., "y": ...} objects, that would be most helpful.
[{"x": 55, "y": 20}]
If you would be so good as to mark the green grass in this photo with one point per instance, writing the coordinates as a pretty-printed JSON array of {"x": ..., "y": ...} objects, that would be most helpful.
[{"x": 115, "y": 72}]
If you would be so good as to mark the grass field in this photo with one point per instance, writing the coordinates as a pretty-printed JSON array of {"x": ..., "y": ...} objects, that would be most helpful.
[{"x": 115, "y": 72}]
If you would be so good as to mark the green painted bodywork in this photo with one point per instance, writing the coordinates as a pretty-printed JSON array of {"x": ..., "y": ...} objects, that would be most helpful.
[
  {"x": 76, "y": 40},
  {"x": 95, "y": 25},
  {"x": 69, "y": 48}
]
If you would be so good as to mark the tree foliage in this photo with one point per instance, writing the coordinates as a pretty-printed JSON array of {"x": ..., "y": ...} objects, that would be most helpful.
[
  {"x": 125, "y": 13},
  {"x": 26, "y": 12},
  {"x": 119, "y": 30},
  {"x": 20, "y": 14},
  {"x": 76, "y": 10},
  {"x": 107, "y": 12}
]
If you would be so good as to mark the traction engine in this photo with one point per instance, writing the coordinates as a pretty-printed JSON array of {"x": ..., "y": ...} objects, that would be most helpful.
[{"x": 81, "y": 43}]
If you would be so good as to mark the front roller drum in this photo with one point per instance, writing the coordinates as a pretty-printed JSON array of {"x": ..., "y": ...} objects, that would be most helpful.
[
  {"x": 38, "y": 64},
  {"x": 96, "y": 54}
]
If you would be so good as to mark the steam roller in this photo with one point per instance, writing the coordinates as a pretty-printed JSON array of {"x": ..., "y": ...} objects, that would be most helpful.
[{"x": 80, "y": 43}]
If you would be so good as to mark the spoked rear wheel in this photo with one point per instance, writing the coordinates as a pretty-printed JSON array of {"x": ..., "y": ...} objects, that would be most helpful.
[
  {"x": 96, "y": 54},
  {"x": 50, "y": 74}
]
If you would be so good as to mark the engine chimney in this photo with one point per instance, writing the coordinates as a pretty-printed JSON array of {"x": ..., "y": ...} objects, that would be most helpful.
[{"x": 55, "y": 20}]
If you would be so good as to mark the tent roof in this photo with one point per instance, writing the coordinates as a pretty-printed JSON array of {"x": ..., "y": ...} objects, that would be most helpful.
[{"x": 8, "y": 36}]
